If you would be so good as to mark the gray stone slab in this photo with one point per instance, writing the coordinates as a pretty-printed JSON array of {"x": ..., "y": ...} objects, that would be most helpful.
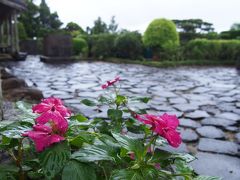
[
  {"x": 198, "y": 114},
  {"x": 230, "y": 116},
  {"x": 177, "y": 100},
  {"x": 223, "y": 166},
  {"x": 215, "y": 121},
  {"x": 188, "y": 135},
  {"x": 227, "y": 99},
  {"x": 189, "y": 123},
  {"x": 218, "y": 146},
  {"x": 186, "y": 107},
  {"x": 210, "y": 132},
  {"x": 238, "y": 137}
]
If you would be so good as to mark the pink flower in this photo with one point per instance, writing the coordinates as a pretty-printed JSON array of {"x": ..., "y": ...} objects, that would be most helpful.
[
  {"x": 43, "y": 136},
  {"x": 111, "y": 82},
  {"x": 132, "y": 155},
  {"x": 157, "y": 166},
  {"x": 52, "y": 110},
  {"x": 164, "y": 125}
]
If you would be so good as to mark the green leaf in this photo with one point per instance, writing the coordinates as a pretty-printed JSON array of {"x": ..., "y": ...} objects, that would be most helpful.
[
  {"x": 114, "y": 114},
  {"x": 185, "y": 157},
  {"x": 126, "y": 174},
  {"x": 79, "y": 118},
  {"x": 24, "y": 107},
  {"x": 8, "y": 143},
  {"x": 75, "y": 170},
  {"x": 143, "y": 99},
  {"x": 14, "y": 131},
  {"x": 105, "y": 101},
  {"x": 130, "y": 144},
  {"x": 182, "y": 167},
  {"x": 8, "y": 172},
  {"x": 93, "y": 153},
  {"x": 83, "y": 137},
  {"x": 54, "y": 158},
  {"x": 88, "y": 102},
  {"x": 207, "y": 178},
  {"x": 104, "y": 148},
  {"x": 120, "y": 100}
]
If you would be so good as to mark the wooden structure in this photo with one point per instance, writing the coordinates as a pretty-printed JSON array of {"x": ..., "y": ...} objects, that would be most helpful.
[{"x": 9, "y": 10}]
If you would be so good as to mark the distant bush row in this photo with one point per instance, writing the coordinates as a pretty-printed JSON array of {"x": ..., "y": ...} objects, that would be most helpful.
[
  {"x": 125, "y": 45},
  {"x": 129, "y": 45},
  {"x": 212, "y": 49}
]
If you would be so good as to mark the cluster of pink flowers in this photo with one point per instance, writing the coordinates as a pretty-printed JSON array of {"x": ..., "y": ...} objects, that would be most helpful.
[
  {"x": 165, "y": 126},
  {"x": 110, "y": 83},
  {"x": 51, "y": 125}
]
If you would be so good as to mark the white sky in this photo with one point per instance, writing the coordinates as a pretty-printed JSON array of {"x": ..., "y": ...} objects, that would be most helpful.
[{"x": 137, "y": 14}]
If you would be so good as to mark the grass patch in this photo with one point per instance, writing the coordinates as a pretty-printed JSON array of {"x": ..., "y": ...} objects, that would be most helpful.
[{"x": 167, "y": 63}]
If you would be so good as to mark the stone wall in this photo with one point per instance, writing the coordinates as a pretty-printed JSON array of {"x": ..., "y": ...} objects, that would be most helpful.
[
  {"x": 33, "y": 47},
  {"x": 57, "y": 45}
]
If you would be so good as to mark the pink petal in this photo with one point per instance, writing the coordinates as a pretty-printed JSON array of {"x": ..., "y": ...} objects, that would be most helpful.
[
  {"x": 60, "y": 122},
  {"x": 63, "y": 111},
  {"x": 55, "y": 138},
  {"x": 40, "y": 108},
  {"x": 172, "y": 120},
  {"x": 173, "y": 137},
  {"x": 104, "y": 86},
  {"x": 43, "y": 128}
]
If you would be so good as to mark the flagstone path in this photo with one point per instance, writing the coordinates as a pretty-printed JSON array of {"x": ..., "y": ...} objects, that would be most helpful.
[{"x": 206, "y": 100}]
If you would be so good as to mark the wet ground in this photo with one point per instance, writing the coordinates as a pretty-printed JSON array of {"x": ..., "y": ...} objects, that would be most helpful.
[{"x": 206, "y": 100}]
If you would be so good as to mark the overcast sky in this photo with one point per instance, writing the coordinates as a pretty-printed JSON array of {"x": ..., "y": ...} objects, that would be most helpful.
[{"x": 137, "y": 14}]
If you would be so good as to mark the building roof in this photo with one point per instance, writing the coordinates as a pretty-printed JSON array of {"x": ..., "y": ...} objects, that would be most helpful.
[{"x": 15, "y": 4}]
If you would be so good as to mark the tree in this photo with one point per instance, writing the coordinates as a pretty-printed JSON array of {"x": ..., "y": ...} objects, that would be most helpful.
[
  {"x": 235, "y": 27},
  {"x": 112, "y": 27},
  {"x": 193, "y": 26},
  {"x": 74, "y": 29},
  {"x": 30, "y": 19},
  {"x": 38, "y": 20},
  {"x": 162, "y": 37},
  {"x": 99, "y": 27},
  {"x": 71, "y": 26},
  {"x": 129, "y": 45}
]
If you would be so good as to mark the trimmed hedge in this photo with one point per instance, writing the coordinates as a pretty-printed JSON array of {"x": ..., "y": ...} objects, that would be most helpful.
[
  {"x": 101, "y": 45},
  {"x": 212, "y": 49},
  {"x": 129, "y": 45},
  {"x": 80, "y": 46}
]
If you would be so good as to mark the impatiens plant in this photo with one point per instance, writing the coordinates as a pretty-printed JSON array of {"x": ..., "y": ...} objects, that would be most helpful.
[{"x": 49, "y": 142}]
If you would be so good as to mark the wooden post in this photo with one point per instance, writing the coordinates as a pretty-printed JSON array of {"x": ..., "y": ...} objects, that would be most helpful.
[
  {"x": 13, "y": 49},
  {"x": 16, "y": 32},
  {"x": 8, "y": 33},
  {"x": 1, "y": 33}
]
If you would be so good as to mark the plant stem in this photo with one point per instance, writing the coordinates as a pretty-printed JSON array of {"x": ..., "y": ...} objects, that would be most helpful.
[{"x": 19, "y": 160}]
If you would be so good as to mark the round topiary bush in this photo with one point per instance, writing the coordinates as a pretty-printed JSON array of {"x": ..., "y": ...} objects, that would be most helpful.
[
  {"x": 162, "y": 37},
  {"x": 80, "y": 46}
]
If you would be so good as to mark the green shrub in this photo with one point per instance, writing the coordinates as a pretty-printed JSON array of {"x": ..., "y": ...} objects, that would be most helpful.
[
  {"x": 212, "y": 49},
  {"x": 21, "y": 31},
  {"x": 80, "y": 46},
  {"x": 162, "y": 37},
  {"x": 101, "y": 45},
  {"x": 129, "y": 45}
]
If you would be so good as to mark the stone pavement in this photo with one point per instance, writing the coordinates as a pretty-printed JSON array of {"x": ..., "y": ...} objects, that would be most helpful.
[{"x": 206, "y": 100}]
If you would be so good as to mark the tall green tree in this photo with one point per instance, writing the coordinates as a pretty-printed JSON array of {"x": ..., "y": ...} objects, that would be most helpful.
[
  {"x": 235, "y": 27},
  {"x": 38, "y": 20},
  {"x": 99, "y": 27},
  {"x": 113, "y": 26},
  {"x": 30, "y": 19}
]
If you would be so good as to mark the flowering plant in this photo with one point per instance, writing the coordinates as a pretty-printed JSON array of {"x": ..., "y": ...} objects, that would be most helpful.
[{"x": 49, "y": 142}]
